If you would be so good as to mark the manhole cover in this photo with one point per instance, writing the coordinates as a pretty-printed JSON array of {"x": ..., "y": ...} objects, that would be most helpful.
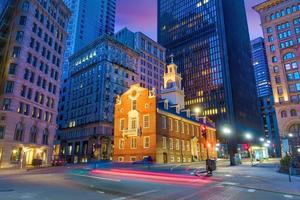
[{"x": 6, "y": 190}]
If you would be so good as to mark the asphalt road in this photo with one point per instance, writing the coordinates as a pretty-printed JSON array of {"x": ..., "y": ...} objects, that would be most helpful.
[{"x": 62, "y": 184}]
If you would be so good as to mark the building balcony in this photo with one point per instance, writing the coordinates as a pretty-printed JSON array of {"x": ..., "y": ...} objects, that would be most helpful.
[{"x": 130, "y": 132}]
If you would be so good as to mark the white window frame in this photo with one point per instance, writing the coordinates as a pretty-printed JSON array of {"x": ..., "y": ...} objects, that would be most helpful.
[
  {"x": 171, "y": 124},
  {"x": 121, "y": 143},
  {"x": 132, "y": 139},
  {"x": 122, "y": 120},
  {"x": 164, "y": 142},
  {"x": 145, "y": 138},
  {"x": 164, "y": 122},
  {"x": 177, "y": 125},
  {"x": 144, "y": 121},
  {"x": 171, "y": 142},
  {"x": 131, "y": 123},
  {"x": 177, "y": 145}
]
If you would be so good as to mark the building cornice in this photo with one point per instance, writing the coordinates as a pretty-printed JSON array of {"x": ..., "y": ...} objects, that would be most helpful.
[{"x": 267, "y": 4}]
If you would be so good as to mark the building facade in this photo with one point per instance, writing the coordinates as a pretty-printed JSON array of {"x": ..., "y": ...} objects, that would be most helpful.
[
  {"x": 265, "y": 96},
  {"x": 214, "y": 60},
  {"x": 33, "y": 35},
  {"x": 85, "y": 27},
  {"x": 98, "y": 72},
  {"x": 281, "y": 27},
  {"x": 146, "y": 126},
  {"x": 152, "y": 58}
]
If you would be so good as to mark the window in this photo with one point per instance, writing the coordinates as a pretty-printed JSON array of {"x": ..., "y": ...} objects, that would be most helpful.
[
  {"x": 288, "y": 56},
  {"x": 146, "y": 121},
  {"x": 275, "y": 69},
  {"x": 269, "y": 30},
  {"x": 25, "y": 6},
  {"x": 146, "y": 142},
  {"x": 182, "y": 145},
  {"x": 133, "y": 123},
  {"x": 9, "y": 86},
  {"x": 121, "y": 143},
  {"x": 182, "y": 127},
  {"x": 132, "y": 158},
  {"x": 171, "y": 143},
  {"x": 15, "y": 155},
  {"x": 122, "y": 124},
  {"x": 188, "y": 145},
  {"x": 12, "y": 68},
  {"x": 45, "y": 136},
  {"x": 133, "y": 105},
  {"x": 120, "y": 159},
  {"x": 177, "y": 144},
  {"x": 279, "y": 90},
  {"x": 164, "y": 142},
  {"x": 19, "y": 36},
  {"x": 164, "y": 122},
  {"x": 6, "y": 104},
  {"x": 16, "y": 52},
  {"x": 23, "y": 20},
  {"x": 2, "y": 132},
  {"x": 293, "y": 113},
  {"x": 19, "y": 132},
  {"x": 33, "y": 135},
  {"x": 283, "y": 114},
  {"x": 177, "y": 125},
  {"x": 170, "y": 124},
  {"x": 272, "y": 48},
  {"x": 277, "y": 80},
  {"x": 133, "y": 142},
  {"x": 274, "y": 59}
]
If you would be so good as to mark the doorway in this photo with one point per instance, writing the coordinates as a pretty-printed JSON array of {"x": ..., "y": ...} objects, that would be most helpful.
[{"x": 165, "y": 158}]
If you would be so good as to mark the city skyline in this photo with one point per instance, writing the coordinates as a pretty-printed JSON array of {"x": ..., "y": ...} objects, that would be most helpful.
[{"x": 146, "y": 12}]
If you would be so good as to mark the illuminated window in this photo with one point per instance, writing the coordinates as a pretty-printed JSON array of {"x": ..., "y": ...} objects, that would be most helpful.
[
  {"x": 133, "y": 123},
  {"x": 188, "y": 145},
  {"x": 182, "y": 127},
  {"x": 133, "y": 105},
  {"x": 177, "y": 125},
  {"x": 170, "y": 124},
  {"x": 182, "y": 145},
  {"x": 146, "y": 142}
]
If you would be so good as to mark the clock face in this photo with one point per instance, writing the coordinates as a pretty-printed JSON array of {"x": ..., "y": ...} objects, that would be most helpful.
[{"x": 133, "y": 94}]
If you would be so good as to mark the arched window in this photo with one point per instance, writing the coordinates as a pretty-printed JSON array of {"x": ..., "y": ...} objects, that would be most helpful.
[
  {"x": 19, "y": 132},
  {"x": 295, "y": 128},
  {"x": 293, "y": 113},
  {"x": 45, "y": 136},
  {"x": 274, "y": 59},
  {"x": 283, "y": 114},
  {"x": 288, "y": 10},
  {"x": 33, "y": 134},
  {"x": 25, "y": 6},
  {"x": 272, "y": 16},
  {"x": 288, "y": 56}
]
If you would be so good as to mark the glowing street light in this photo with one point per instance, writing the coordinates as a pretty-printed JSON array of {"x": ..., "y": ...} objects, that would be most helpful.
[
  {"x": 248, "y": 136},
  {"x": 226, "y": 131},
  {"x": 266, "y": 144},
  {"x": 290, "y": 135},
  {"x": 197, "y": 110},
  {"x": 268, "y": 141},
  {"x": 262, "y": 139}
]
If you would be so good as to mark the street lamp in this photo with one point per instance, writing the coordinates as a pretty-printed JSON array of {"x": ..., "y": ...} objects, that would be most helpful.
[
  {"x": 249, "y": 137},
  {"x": 290, "y": 135},
  {"x": 261, "y": 139},
  {"x": 226, "y": 131}
]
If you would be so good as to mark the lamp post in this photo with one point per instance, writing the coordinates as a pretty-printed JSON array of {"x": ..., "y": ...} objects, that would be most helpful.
[{"x": 249, "y": 137}]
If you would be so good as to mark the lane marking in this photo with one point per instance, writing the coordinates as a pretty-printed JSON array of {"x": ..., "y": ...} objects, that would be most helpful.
[
  {"x": 228, "y": 183},
  {"x": 251, "y": 190},
  {"x": 136, "y": 195},
  {"x": 228, "y": 175},
  {"x": 99, "y": 178},
  {"x": 288, "y": 196},
  {"x": 100, "y": 192}
]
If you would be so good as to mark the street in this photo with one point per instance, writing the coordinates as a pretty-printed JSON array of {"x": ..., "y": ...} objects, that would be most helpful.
[{"x": 76, "y": 182}]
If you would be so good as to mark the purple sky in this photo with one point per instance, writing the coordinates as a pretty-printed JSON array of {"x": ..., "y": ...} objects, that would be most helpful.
[{"x": 140, "y": 15}]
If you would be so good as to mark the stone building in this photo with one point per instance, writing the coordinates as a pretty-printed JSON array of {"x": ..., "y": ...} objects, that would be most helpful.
[
  {"x": 281, "y": 27},
  {"x": 98, "y": 73},
  {"x": 33, "y": 35},
  {"x": 145, "y": 125}
]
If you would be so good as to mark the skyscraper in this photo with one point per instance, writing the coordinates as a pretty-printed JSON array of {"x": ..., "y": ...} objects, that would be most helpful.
[
  {"x": 210, "y": 43},
  {"x": 281, "y": 27},
  {"x": 265, "y": 95},
  {"x": 33, "y": 35},
  {"x": 98, "y": 73},
  {"x": 151, "y": 60},
  {"x": 89, "y": 20}
]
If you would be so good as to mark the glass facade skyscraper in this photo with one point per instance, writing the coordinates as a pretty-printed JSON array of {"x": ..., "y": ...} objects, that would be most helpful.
[
  {"x": 210, "y": 43},
  {"x": 265, "y": 96}
]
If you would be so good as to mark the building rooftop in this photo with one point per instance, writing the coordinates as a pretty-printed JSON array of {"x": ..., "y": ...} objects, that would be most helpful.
[{"x": 267, "y": 4}]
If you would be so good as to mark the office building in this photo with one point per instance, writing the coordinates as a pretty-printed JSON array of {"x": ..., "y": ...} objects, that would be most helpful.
[
  {"x": 160, "y": 128},
  {"x": 89, "y": 20},
  {"x": 281, "y": 27},
  {"x": 33, "y": 36},
  {"x": 152, "y": 58},
  {"x": 98, "y": 73},
  {"x": 210, "y": 42},
  {"x": 265, "y": 96}
]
